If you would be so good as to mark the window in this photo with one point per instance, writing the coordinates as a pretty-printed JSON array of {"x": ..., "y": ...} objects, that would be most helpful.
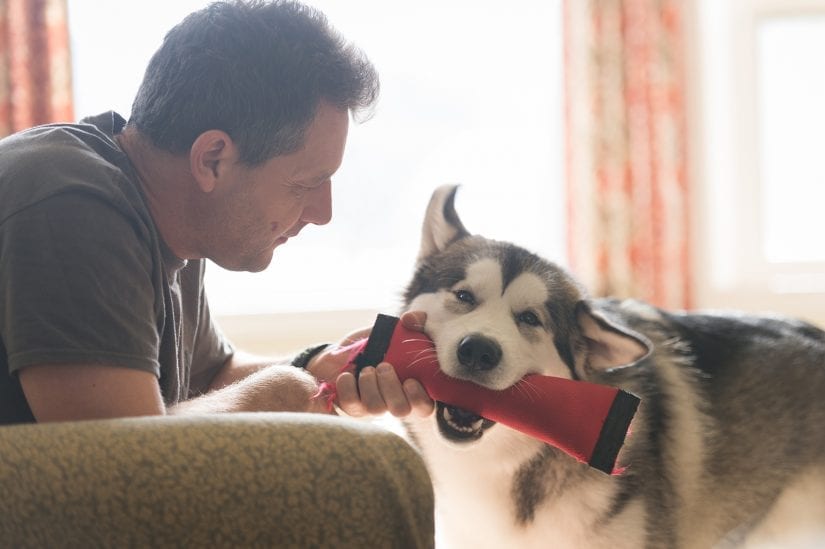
[
  {"x": 758, "y": 149},
  {"x": 471, "y": 94},
  {"x": 791, "y": 117}
]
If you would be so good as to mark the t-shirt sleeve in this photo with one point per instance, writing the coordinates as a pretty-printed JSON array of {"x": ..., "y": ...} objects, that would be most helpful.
[{"x": 76, "y": 286}]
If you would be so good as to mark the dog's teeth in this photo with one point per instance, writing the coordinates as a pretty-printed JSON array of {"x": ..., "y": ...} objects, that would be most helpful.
[{"x": 449, "y": 418}]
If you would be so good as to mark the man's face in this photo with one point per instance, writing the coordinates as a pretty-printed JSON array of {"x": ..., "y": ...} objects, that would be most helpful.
[{"x": 260, "y": 208}]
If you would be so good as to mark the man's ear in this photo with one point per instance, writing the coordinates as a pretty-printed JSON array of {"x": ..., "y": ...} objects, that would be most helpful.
[
  {"x": 441, "y": 222},
  {"x": 608, "y": 345},
  {"x": 210, "y": 154}
]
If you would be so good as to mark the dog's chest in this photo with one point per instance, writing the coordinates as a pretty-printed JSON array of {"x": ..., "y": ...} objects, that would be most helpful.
[
  {"x": 485, "y": 516},
  {"x": 480, "y": 503}
]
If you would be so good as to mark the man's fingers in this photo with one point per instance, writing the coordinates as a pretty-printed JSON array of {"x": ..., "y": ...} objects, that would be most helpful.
[
  {"x": 420, "y": 402},
  {"x": 348, "y": 399},
  {"x": 378, "y": 390},
  {"x": 362, "y": 396},
  {"x": 391, "y": 391},
  {"x": 370, "y": 393},
  {"x": 414, "y": 320}
]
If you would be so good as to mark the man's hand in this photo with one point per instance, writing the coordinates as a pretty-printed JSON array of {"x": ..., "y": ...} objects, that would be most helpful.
[{"x": 378, "y": 389}]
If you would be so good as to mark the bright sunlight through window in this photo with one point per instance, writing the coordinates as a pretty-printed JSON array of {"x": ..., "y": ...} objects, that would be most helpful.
[{"x": 792, "y": 116}]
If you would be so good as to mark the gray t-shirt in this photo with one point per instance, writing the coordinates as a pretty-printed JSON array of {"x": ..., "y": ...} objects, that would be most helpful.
[{"x": 84, "y": 274}]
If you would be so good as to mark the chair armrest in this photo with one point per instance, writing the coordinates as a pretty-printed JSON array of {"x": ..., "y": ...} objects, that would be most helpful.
[{"x": 262, "y": 479}]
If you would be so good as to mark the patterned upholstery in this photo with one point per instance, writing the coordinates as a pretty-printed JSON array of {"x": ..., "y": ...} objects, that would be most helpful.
[{"x": 231, "y": 480}]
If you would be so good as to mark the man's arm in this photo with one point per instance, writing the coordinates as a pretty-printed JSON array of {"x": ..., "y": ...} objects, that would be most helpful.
[
  {"x": 378, "y": 390},
  {"x": 246, "y": 383},
  {"x": 68, "y": 392},
  {"x": 241, "y": 365}
]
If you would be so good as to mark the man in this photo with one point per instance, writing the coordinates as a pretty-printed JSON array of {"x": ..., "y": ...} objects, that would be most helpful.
[
  {"x": 235, "y": 133},
  {"x": 234, "y": 136}
]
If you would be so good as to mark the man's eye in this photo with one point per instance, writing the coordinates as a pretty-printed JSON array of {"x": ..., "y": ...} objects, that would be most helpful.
[
  {"x": 465, "y": 297},
  {"x": 529, "y": 318}
]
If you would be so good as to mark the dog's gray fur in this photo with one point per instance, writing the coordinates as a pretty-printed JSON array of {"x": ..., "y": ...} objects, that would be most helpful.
[{"x": 728, "y": 445}]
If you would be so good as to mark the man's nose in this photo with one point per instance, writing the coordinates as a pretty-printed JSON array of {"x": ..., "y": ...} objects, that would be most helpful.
[{"x": 319, "y": 208}]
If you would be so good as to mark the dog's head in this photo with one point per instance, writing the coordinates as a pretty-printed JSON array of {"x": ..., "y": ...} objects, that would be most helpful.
[{"x": 497, "y": 312}]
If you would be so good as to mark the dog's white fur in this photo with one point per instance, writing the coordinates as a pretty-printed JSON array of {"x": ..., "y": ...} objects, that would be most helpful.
[{"x": 471, "y": 484}]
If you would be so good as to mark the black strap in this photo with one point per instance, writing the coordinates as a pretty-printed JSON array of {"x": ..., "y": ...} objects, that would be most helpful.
[
  {"x": 303, "y": 358},
  {"x": 377, "y": 344},
  {"x": 614, "y": 432}
]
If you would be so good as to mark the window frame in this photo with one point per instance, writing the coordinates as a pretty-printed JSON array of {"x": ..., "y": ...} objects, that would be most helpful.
[{"x": 730, "y": 271}]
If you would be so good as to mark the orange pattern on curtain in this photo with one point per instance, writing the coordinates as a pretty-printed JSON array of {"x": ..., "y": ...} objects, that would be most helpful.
[
  {"x": 35, "y": 67},
  {"x": 626, "y": 149}
]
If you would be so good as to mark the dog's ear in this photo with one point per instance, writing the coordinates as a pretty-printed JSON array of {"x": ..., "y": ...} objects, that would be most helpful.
[
  {"x": 607, "y": 345},
  {"x": 441, "y": 222}
]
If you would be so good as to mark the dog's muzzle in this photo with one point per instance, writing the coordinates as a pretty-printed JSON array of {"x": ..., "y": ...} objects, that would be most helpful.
[{"x": 477, "y": 355}]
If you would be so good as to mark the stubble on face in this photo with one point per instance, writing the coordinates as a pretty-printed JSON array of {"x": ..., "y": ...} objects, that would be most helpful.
[
  {"x": 243, "y": 239},
  {"x": 259, "y": 207}
]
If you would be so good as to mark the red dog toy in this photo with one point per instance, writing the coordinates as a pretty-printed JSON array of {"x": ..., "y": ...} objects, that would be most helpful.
[{"x": 586, "y": 420}]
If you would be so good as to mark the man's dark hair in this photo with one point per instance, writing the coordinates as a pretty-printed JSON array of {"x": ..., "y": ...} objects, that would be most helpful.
[{"x": 254, "y": 69}]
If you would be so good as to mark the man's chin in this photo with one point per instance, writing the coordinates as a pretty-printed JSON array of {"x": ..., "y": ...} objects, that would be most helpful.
[
  {"x": 249, "y": 264},
  {"x": 261, "y": 262}
]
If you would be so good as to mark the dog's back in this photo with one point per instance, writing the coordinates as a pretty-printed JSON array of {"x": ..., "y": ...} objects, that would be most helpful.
[{"x": 735, "y": 407}]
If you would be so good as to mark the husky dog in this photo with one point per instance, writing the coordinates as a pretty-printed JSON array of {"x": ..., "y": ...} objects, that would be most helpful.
[{"x": 727, "y": 448}]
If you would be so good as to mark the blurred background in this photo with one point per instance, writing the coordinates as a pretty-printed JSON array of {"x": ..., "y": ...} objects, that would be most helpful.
[{"x": 664, "y": 150}]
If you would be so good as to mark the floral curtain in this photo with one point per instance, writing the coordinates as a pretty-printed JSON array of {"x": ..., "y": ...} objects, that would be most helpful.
[
  {"x": 35, "y": 69},
  {"x": 628, "y": 207}
]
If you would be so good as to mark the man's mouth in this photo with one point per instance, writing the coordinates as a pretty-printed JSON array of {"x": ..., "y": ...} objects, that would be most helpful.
[
  {"x": 285, "y": 237},
  {"x": 459, "y": 425}
]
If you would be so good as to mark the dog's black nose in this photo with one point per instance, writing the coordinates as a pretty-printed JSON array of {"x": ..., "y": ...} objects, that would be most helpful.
[{"x": 477, "y": 352}]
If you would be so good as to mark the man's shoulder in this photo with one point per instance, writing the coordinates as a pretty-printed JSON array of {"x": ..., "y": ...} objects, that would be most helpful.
[
  {"x": 68, "y": 151},
  {"x": 41, "y": 162}
]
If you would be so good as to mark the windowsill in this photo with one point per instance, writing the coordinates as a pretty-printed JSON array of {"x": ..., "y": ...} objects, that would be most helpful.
[{"x": 278, "y": 334}]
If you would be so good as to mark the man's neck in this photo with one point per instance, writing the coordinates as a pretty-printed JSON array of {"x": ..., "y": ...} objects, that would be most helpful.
[{"x": 165, "y": 181}]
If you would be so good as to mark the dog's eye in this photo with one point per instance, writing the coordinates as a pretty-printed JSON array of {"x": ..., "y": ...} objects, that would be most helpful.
[
  {"x": 529, "y": 318},
  {"x": 465, "y": 296}
]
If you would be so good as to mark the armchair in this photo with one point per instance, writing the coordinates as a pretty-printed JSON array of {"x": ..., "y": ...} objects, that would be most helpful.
[{"x": 242, "y": 480}]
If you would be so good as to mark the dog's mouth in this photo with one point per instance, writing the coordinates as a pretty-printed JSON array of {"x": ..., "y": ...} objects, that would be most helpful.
[{"x": 459, "y": 425}]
